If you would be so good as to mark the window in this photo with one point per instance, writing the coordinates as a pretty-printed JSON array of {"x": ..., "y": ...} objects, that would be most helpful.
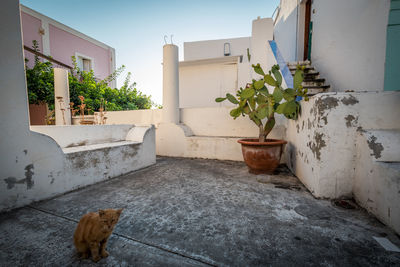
[
  {"x": 87, "y": 64},
  {"x": 84, "y": 63}
]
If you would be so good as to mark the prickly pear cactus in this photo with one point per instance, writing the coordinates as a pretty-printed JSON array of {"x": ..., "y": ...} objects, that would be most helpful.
[{"x": 260, "y": 104}]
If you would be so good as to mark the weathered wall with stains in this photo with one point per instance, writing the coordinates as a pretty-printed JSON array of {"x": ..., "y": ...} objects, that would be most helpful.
[
  {"x": 376, "y": 183},
  {"x": 321, "y": 148},
  {"x": 348, "y": 145},
  {"x": 77, "y": 161}
]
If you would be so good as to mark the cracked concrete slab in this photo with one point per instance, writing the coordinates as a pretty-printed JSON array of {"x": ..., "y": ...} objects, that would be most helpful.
[{"x": 194, "y": 212}]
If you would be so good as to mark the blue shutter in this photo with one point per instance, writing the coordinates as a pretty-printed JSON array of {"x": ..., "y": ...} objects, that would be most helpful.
[{"x": 392, "y": 64}]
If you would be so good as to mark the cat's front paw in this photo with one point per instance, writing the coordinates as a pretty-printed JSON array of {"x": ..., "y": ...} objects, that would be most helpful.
[
  {"x": 85, "y": 255},
  {"x": 104, "y": 254},
  {"x": 96, "y": 259}
]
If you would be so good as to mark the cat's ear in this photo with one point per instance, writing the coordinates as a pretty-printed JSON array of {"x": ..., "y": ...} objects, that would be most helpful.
[
  {"x": 102, "y": 213},
  {"x": 119, "y": 211}
]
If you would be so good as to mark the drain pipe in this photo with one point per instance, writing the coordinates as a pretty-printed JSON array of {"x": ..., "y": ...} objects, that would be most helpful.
[{"x": 170, "y": 113}]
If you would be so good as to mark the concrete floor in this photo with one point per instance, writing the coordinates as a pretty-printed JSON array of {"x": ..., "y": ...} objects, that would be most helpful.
[{"x": 193, "y": 212}]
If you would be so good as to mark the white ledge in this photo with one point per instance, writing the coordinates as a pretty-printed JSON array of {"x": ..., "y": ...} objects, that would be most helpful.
[{"x": 216, "y": 60}]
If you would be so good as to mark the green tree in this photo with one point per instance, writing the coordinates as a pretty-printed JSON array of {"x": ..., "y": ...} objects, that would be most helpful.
[{"x": 40, "y": 81}]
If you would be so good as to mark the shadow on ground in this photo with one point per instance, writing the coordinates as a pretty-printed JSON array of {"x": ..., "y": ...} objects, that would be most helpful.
[{"x": 193, "y": 212}]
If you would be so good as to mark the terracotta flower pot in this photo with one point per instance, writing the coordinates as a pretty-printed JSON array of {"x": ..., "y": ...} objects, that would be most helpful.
[{"x": 262, "y": 157}]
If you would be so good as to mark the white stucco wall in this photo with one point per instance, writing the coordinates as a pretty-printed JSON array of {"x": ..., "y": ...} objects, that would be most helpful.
[
  {"x": 80, "y": 135},
  {"x": 206, "y": 74},
  {"x": 348, "y": 41},
  {"x": 322, "y": 149},
  {"x": 201, "y": 83},
  {"x": 141, "y": 116},
  {"x": 285, "y": 29},
  {"x": 261, "y": 33},
  {"x": 215, "y": 48},
  {"x": 216, "y": 121},
  {"x": 377, "y": 180}
]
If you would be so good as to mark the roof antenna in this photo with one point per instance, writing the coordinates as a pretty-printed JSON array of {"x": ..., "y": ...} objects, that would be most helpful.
[
  {"x": 165, "y": 39},
  {"x": 171, "y": 39}
]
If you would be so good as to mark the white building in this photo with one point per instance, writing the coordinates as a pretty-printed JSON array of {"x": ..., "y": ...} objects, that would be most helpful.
[{"x": 345, "y": 40}]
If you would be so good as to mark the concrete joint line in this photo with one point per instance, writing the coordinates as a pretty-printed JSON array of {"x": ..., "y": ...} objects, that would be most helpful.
[{"x": 131, "y": 238}]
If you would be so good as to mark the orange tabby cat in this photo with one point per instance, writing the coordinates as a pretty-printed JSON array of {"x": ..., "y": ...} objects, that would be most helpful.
[{"x": 93, "y": 231}]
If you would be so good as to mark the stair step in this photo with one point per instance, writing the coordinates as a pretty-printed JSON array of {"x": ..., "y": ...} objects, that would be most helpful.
[
  {"x": 306, "y": 69},
  {"x": 315, "y": 91},
  {"x": 309, "y": 76},
  {"x": 313, "y": 79},
  {"x": 323, "y": 87},
  {"x": 301, "y": 63},
  {"x": 312, "y": 83}
]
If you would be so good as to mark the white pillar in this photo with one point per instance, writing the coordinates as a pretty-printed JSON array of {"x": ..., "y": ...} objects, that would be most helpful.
[
  {"x": 170, "y": 84},
  {"x": 262, "y": 31},
  {"x": 61, "y": 89}
]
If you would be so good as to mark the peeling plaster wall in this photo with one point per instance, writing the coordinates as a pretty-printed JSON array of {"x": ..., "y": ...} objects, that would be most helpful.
[
  {"x": 377, "y": 174},
  {"x": 322, "y": 149},
  {"x": 43, "y": 170}
]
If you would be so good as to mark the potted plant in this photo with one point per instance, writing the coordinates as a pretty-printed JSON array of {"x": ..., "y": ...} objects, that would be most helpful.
[{"x": 263, "y": 155}]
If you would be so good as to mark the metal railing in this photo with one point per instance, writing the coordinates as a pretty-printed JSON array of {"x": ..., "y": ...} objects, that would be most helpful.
[{"x": 52, "y": 60}]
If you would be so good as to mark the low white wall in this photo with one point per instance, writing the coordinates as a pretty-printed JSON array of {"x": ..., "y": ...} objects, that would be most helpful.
[
  {"x": 141, "y": 116},
  {"x": 176, "y": 141},
  {"x": 321, "y": 148},
  {"x": 377, "y": 179},
  {"x": 205, "y": 132},
  {"x": 208, "y": 121},
  {"x": 50, "y": 171},
  {"x": 218, "y": 122},
  {"x": 79, "y": 135}
]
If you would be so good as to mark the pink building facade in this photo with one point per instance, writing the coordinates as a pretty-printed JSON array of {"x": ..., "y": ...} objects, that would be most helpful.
[{"x": 61, "y": 42}]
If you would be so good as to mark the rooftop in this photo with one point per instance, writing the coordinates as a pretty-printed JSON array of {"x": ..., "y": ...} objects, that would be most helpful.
[{"x": 196, "y": 212}]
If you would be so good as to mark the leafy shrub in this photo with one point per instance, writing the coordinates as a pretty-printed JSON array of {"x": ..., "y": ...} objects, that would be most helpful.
[{"x": 40, "y": 83}]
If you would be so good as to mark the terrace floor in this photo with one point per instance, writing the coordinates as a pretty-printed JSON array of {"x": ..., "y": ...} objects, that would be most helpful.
[{"x": 194, "y": 212}]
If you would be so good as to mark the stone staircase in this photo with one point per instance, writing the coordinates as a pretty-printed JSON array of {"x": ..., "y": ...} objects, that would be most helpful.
[{"x": 312, "y": 80}]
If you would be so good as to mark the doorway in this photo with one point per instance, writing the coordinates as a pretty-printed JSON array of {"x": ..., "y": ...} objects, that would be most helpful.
[{"x": 307, "y": 31}]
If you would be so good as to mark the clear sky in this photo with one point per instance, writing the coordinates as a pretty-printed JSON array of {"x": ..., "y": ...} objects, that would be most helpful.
[{"x": 136, "y": 29}]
